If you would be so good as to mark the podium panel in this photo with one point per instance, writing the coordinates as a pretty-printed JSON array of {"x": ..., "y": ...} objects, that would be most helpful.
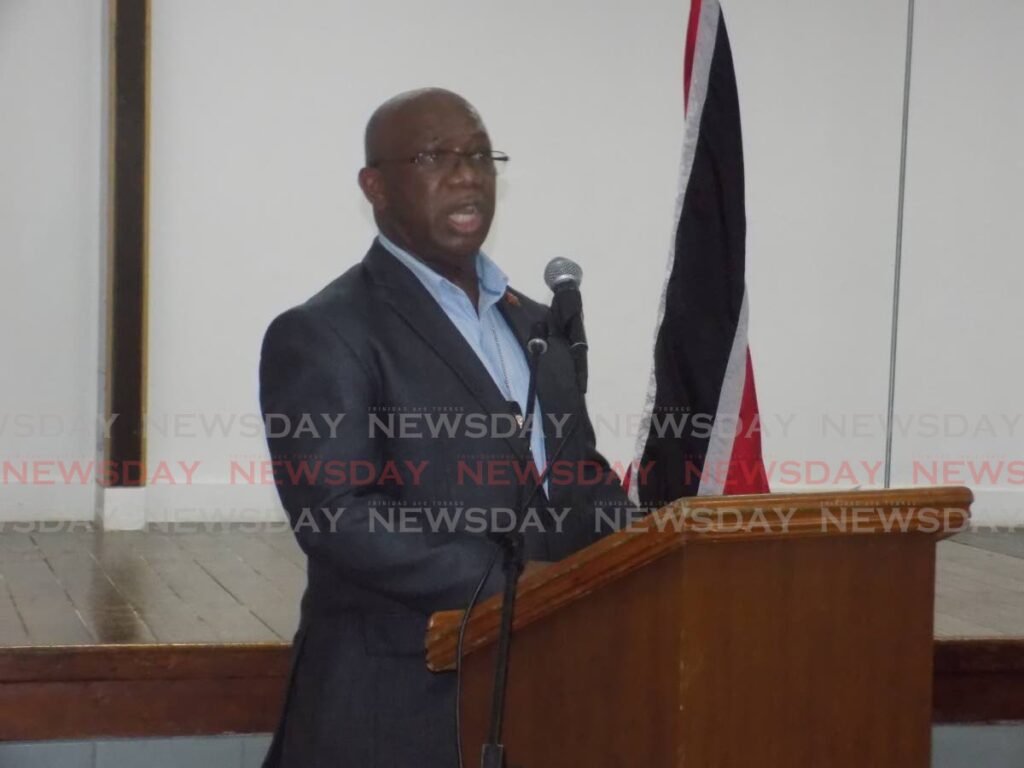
[{"x": 790, "y": 630}]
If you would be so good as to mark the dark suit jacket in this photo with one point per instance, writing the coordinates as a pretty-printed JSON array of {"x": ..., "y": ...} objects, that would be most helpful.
[{"x": 371, "y": 344}]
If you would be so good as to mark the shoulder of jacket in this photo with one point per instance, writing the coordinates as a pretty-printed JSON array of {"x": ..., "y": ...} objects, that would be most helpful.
[{"x": 342, "y": 308}]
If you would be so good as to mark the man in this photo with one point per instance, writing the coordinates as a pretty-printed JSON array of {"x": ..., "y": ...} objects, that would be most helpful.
[{"x": 423, "y": 326}]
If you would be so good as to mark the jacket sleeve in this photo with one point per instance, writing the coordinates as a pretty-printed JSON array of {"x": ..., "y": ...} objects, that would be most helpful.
[{"x": 306, "y": 367}]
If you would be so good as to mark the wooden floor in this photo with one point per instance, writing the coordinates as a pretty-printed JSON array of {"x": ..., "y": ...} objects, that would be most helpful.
[{"x": 242, "y": 585}]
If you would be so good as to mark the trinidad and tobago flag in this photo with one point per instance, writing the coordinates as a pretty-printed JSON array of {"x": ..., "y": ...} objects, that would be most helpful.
[{"x": 700, "y": 431}]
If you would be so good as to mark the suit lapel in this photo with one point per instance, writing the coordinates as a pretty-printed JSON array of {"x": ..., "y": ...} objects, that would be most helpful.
[{"x": 404, "y": 293}]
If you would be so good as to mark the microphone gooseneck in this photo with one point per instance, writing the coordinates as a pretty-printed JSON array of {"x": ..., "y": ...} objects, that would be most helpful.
[
  {"x": 536, "y": 347},
  {"x": 538, "y": 343}
]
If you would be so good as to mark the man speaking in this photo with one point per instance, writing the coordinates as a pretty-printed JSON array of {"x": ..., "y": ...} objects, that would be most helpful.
[{"x": 423, "y": 331}]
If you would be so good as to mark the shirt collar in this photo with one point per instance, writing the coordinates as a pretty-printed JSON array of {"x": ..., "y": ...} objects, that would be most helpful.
[{"x": 492, "y": 281}]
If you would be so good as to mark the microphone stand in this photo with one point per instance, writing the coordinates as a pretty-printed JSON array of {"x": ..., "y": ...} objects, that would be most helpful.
[{"x": 493, "y": 752}]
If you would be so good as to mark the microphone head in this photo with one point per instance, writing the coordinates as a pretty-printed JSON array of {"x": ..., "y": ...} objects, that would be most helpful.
[{"x": 561, "y": 273}]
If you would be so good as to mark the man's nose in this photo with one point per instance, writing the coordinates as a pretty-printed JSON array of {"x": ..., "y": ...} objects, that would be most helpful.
[{"x": 462, "y": 170}]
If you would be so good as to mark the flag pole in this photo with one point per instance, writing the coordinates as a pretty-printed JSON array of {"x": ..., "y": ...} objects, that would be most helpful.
[{"x": 898, "y": 264}]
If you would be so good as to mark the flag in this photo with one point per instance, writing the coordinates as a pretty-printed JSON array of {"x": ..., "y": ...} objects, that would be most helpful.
[{"x": 699, "y": 429}]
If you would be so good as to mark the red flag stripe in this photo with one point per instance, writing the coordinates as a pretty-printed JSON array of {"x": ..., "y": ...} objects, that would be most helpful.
[
  {"x": 691, "y": 46},
  {"x": 746, "y": 467}
]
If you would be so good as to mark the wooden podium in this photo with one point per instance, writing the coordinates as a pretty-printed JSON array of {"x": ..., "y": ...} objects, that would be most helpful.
[{"x": 789, "y": 630}]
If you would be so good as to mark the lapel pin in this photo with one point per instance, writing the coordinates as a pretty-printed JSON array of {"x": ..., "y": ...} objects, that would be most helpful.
[{"x": 511, "y": 298}]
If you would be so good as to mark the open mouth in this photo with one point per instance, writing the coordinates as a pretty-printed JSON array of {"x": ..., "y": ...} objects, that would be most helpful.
[{"x": 466, "y": 218}]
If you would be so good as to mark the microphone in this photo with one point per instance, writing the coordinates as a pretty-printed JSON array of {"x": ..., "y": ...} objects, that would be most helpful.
[
  {"x": 561, "y": 273},
  {"x": 563, "y": 277}
]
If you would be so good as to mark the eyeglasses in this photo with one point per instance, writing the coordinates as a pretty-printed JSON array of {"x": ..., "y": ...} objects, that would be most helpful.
[{"x": 483, "y": 160}]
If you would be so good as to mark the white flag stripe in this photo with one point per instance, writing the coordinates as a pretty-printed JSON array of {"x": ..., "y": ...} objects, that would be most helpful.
[{"x": 723, "y": 435}]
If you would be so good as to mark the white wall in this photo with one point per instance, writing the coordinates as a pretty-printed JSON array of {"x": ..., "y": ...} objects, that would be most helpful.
[
  {"x": 960, "y": 344},
  {"x": 50, "y": 147},
  {"x": 256, "y": 142},
  {"x": 820, "y": 88},
  {"x": 257, "y": 125},
  {"x": 258, "y": 114},
  {"x": 258, "y": 109}
]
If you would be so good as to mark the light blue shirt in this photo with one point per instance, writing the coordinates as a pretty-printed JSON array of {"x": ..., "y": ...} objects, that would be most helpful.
[{"x": 485, "y": 330}]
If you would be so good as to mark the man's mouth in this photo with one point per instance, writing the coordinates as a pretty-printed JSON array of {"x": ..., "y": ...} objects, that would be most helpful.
[{"x": 466, "y": 219}]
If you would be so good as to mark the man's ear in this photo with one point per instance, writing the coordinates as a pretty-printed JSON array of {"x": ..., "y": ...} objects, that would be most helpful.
[{"x": 372, "y": 184}]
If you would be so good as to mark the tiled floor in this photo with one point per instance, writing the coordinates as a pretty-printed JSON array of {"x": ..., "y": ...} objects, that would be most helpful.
[
  {"x": 242, "y": 584},
  {"x": 979, "y": 586},
  {"x": 190, "y": 585},
  {"x": 956, "y": 746},
  {"x": 210, "y": 752}
]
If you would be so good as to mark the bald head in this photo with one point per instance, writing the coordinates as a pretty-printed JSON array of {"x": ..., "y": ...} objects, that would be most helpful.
[
  {"x": 438, "y": 210},
  {"x": 388, "y": 125}
]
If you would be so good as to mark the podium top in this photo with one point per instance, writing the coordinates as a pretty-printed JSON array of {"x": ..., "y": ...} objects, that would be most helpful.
[{"x": 936, "y": 512}]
